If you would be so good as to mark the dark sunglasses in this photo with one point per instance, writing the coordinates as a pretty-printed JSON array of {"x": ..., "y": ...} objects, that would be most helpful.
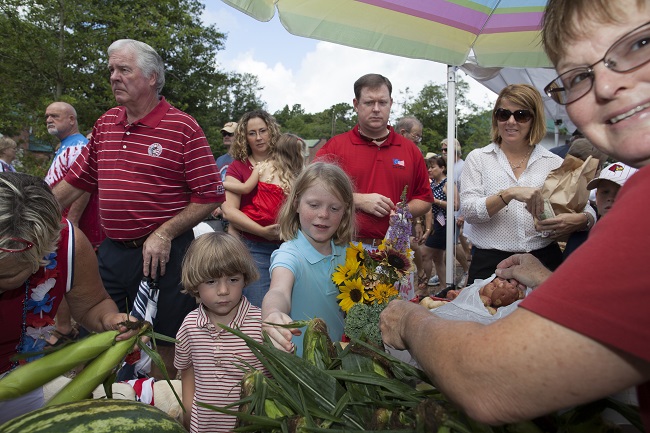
[
  {"x": 521, "y": 116},
  {"x": 24, "y": 245},
  {"x": 227, "y": 134}
]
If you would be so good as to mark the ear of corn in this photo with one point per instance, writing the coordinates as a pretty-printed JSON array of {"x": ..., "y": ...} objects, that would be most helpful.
[
  {"x": 94, "y": 373},
  {"x": 318, "y": 348},
  {"x": 30, "y": 376}
]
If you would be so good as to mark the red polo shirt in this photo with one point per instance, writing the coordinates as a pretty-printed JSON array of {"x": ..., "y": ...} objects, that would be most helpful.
[
  {"x": 148, "y": 171},
  {"x": 384, "y": 169}
]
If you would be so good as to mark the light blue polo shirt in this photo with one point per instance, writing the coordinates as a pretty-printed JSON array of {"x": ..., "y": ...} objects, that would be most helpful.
[{"x": 314, "y": 294}]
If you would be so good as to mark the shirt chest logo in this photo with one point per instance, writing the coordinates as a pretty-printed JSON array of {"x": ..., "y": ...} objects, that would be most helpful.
[
  {"x": 155, "y": 149},
  {"x": 398, "y": 163}
]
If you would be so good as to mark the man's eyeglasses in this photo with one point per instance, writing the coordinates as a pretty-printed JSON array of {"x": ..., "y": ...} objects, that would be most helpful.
[
  {"x": 626, "y": 54},
  {"x": 416, "y": 138},
  {"x": 227, "y": 134},
  {"x": 521, "y": 116},
  {"x": 22, "y": 245}
]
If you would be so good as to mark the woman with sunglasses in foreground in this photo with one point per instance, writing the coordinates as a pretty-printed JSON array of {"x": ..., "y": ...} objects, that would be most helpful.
[
  {"x": 42, "y": 259},
  {"x": 584, "y": 331},
  {"x": 501, "y": 185}
]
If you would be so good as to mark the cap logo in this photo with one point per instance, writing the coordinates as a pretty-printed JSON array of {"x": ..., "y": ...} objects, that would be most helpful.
[{"x": 615, "y": 167}]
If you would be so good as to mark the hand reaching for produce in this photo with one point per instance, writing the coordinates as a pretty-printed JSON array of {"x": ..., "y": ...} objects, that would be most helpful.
[
  {"x": 524, "y": 270},
  {"x": 280, "y": 337}
]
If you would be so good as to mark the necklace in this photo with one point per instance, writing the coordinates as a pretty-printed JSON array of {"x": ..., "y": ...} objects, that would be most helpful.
[
  {"x": 373, "y": 140},
  {"x": 23, "y": 330},
  {"x": 514, "y": 167}
]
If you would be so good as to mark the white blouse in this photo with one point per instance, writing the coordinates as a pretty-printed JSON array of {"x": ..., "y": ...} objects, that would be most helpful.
[{"x": 486, "y": 173}]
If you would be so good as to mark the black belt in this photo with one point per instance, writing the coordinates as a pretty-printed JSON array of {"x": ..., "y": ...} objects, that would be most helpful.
[{"x": 132, "y": 243}]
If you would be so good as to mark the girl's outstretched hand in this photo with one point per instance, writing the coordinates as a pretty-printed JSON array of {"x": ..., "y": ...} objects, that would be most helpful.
[{"x": 281, "y": 337}]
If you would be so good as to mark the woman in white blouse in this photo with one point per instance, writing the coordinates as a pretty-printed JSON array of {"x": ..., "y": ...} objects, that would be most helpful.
[{"x": 500, "y": 187}]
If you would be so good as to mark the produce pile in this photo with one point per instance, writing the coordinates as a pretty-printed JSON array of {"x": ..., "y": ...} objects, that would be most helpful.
[
  {"x": 362, "y": 388},
  {"x": 499, "y": 293}
]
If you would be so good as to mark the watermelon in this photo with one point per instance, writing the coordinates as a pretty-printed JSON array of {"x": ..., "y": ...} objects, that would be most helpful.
[{"x": 97, "y": 416}]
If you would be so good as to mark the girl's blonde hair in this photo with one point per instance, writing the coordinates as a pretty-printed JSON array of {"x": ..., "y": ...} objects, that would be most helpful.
[
  {"x": 240, "y": 150},
  {"x": 215, "y": 255},
  {"x": 528, "y": 97},
  {"x": 288, "y": 159},
  {"x": 334, "y": 179},
  {"x": 28, "y": 213}
]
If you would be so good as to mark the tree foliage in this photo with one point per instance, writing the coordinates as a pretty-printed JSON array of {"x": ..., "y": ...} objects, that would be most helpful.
[
  {"x": 430, "y": 107},
  {"x": 56, "y": 50},
  {"x": 335, "y": 120}
]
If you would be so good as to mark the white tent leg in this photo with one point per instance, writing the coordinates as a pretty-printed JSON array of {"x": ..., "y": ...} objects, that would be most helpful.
[{"x": 451, "y": 160}]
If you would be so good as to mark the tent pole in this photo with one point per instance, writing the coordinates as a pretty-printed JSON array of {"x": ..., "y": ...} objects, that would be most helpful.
[{"x": 451, "y": 160}]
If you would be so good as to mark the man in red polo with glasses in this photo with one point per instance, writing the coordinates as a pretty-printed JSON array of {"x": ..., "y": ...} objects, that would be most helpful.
[
  {"x": 380, "y": 162},
  {"x": 156, "y": 178}
]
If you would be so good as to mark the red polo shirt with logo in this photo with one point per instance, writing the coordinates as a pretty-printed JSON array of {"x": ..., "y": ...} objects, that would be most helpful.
[
  {"x": 384, "y": 169},
  {"x": 148, "y": 171}
]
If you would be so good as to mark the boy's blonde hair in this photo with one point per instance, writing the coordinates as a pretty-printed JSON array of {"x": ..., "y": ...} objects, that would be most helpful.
[
  {"x": 215, "y": 255},
  {"x": 334, "y": 179}
]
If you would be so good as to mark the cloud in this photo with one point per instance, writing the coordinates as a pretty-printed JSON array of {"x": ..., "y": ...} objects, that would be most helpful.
[{"x": 326, "y": 75}]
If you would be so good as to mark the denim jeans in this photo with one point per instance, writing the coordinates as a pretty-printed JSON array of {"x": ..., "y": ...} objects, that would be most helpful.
[{"x": 261, "y": 252}]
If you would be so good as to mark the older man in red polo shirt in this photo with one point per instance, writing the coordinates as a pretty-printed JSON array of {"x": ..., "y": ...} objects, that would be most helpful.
[{"x": 156, "y": 178}]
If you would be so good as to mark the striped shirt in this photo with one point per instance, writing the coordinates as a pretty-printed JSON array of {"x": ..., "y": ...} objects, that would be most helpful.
[
  {"x": 148, "y": 171},
  {"x": 215, "y": 354}
]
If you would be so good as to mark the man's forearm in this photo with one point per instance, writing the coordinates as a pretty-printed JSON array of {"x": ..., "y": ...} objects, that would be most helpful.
[
  {"x": 77, "y": 208},
  {"x": 65, "y": 193},
  {"x": 193, "y": 214},
  {"x": 418, "y": 207}
]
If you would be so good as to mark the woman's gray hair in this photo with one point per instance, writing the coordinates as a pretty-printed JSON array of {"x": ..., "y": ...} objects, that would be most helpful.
[
  {"x": 147, "y": 59},
  {"x": 29, "y": 212}
]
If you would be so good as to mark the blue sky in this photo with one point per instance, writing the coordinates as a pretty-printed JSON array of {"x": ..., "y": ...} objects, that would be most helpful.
[{"x": 315, "y": 74}]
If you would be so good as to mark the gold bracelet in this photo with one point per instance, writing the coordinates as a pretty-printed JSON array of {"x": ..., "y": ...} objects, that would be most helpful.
[{"x": 161, "y": 237}]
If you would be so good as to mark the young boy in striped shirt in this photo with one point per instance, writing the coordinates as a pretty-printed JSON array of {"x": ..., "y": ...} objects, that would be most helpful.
[{"x": 216, "y": 268}]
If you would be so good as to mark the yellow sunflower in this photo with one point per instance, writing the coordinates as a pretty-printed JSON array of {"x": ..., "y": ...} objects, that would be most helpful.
[
  {"x": 352, "y": 292},
  {"x": 383, "y": 292},
  {"x": 345, "y": 271},
  {"x": 355, "y": 252},
  {"x": 398, "y": 261}
]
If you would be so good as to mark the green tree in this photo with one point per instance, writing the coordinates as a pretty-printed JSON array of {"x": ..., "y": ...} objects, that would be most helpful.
[
  {"x": 430, "y": 106},
  {"x": 56, "y": 50},
  {"x": 334, "y": 120}
]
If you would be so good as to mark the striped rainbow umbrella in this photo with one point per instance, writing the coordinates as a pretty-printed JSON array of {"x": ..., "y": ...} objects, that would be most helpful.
[{"x": 499, "y": 32}]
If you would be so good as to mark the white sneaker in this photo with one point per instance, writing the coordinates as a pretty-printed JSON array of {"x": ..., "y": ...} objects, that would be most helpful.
[
  {"x": 433, "y": 281},
  {"x": 463, "y": 280}
]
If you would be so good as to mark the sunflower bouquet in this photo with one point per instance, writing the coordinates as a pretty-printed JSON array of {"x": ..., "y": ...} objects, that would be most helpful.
[{"x": 369, "y": 280}]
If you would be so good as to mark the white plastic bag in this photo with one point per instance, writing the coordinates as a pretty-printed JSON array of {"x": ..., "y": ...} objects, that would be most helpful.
[{"x": 468, "y": 305}]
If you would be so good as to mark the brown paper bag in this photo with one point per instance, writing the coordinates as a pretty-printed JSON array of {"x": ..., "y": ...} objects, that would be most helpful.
[{"x": 566, "y": 186}]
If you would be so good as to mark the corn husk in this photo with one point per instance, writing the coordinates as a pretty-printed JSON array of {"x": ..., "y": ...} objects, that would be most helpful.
[{"x": 364, "y": 388}]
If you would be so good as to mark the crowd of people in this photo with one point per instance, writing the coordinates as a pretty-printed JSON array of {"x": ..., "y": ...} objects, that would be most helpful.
[{"x": 147, "y": 175}]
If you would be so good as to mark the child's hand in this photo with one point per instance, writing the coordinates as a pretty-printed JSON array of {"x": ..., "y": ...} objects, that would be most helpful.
[
  {"x": 271, "y": 232},
  {"x": 281, "y": 337}
]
